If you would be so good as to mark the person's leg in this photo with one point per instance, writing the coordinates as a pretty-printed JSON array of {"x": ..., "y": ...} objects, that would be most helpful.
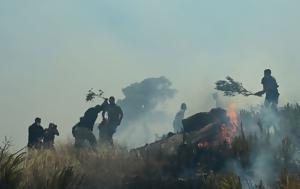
[
  {"x": 91, "y": 138},
  {"x": 110, "y": 140},
  {"x": 103, "y": 135},
  {"x": 79, "y": 142},
  {"x": 79, "y": 137},
  {"x": 267, "y": 103},
  {"x": 112, "y": 131}
]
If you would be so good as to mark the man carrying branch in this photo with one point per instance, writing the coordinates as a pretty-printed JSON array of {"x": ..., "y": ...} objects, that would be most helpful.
[
  {"x": 270, "y": 88},
  {"x": 83, "y": 131},
  {"x": 230, "y": 87}
]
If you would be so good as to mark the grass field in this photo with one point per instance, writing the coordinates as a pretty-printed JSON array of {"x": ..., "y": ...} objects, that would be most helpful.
[{"x": 261, "y": 159}]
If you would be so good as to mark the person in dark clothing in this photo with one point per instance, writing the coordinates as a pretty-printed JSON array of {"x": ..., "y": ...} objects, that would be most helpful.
[
  {"x": 83, "y": 130},
  {"x": 90, "y": 117},
  {"x": 35, "y": 134},
  {"x": 270, "y": 88},
  {"x": 49, "y": 136},
  {"x": 109, "y": 125}
]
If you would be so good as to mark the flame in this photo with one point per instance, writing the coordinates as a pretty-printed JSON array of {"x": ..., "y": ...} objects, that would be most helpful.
[
  {"x": 233, "y": 116},
  {"x": 231, "y": 129},
  {"x": 203, "y": 145},
  {"x": 227, "y": 131}
]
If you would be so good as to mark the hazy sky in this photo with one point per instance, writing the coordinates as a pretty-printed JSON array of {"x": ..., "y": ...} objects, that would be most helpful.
[{"x": 52, "y": 52}]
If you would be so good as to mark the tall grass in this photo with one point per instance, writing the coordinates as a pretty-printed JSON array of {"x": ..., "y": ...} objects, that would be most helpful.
[
  {"x": 118, "y": 168},
  {"x": 10, "y": 167}
]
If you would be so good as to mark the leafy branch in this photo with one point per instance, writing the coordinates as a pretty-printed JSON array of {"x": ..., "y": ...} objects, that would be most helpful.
[
  {"x": 92, "y": 95},
  {"x": 230, "y": 87}
]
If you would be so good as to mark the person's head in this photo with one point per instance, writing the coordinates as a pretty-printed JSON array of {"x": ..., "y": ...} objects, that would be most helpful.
[
  {"x": 267, "y": 72},
  {"x": 112, "y": 100},
  {"x": 52, "y": 126},
  {"x": 38, "y": 121},
  {"x": 183, "y": 106}
]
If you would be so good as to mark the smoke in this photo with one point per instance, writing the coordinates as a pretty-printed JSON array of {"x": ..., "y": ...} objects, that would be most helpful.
[
  {"x": 144, "y": 111},
  {"x": 272, "y": 149}
]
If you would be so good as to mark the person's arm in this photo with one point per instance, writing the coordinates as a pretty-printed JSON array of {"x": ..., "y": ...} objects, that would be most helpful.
[
  {"x": 57, "y": 132},
  {"x": 103, "y": 114},
  {"x": 104, "y": 108},
  {"x": 276, "y": 84},
  {"x": 29, "y": 136},
  {"x": 121, "y": 114},
  {"x": 45, "y": 132},
  {"x": 263, "y": 82},
  {"x": 40, "y": 134},
  {"x": 260, "y": 93}
]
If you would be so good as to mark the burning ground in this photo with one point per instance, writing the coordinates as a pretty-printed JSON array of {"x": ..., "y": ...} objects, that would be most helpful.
[{"x": 258, "y": 150}]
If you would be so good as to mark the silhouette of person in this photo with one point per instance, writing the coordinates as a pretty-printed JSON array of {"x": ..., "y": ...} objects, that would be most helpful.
[
  {"x": 109, "y": 125},
  {"x": 49, "y": 136},
  {"x": 270, "y": 88},
  {"x": 177, "y": 123},
  {"x": 35, "y": 134},
  {"x": 83, "y": 131}
]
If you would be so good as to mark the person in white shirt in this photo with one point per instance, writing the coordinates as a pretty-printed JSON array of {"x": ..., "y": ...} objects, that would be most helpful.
[{"x": 177, "y": 123}]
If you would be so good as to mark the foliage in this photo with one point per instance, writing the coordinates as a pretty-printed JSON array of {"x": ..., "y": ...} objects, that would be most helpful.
[
  {"x": 228, "y": 181},
  {"x": 288, "y": 181},
  {"x": 10, "y": 167},
  {"x": 230, "y": 87},
  {"x": 91, "y": 95},
  {"x": 242, "y": 148}
]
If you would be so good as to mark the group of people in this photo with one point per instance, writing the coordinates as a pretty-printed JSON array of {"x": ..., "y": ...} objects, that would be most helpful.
[
  {"x": 41, "y": 138},
  {"x": 270, "y": 89},
  {"x": 112, "y": 116}
]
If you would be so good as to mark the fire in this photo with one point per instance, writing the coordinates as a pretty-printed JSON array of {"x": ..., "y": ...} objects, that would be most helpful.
[
  {"x": 229, "y": 131},
  {"x": 231, "y": 113},
  {"x": 226, "y": 131}
]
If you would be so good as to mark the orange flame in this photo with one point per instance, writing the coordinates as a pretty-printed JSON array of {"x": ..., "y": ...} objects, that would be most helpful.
[
  {"x": 231, "y": 113},
  {"x": 231, "y": 129},
  {"x": 227, "y": 131}
]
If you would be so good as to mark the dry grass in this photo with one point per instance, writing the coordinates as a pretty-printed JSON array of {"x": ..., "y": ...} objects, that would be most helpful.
[
  {"x": 69, "y": 168},
  {"x": 10, "y": 167},
  {"x": 108, "y": 168},
  {"x": 116, "y": 168}
]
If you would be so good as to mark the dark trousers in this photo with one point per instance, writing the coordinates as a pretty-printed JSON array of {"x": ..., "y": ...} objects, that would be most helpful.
[{"x": 83, "y": 134}]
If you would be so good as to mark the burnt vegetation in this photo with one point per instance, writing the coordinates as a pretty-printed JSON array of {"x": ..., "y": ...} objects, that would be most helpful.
[{"x": 257, "y": 158}]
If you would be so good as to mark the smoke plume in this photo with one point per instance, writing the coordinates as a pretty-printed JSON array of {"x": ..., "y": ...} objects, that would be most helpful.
[{"x": 144, "y": 115}]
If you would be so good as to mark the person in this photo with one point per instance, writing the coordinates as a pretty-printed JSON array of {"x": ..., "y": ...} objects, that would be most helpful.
[
  {"x": 109, "y": 125},
  {"x": 35, "y": 134},
  {"x": 83, "y": 131},
  {"x": 177, "y": 123},
  {"x": 49, "y": 136},
  {"x": 270, "y": 88}
]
